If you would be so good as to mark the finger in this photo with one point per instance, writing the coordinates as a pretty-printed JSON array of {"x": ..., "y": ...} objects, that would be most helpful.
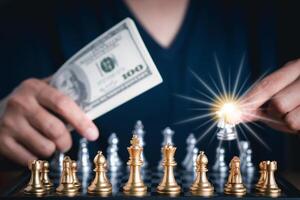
[
  {"x": 270, "y": 85},
  {"x": 31, "y": 139},
  {"x": 52, "y": 127},
  {"x": 12, "y": 150},
  {"x": 292, "y": 119},
  {"x": 69, "y": 110},
  {"x": 285, "y": 100}
]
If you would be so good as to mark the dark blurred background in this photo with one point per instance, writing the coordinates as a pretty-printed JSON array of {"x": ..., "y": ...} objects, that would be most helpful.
[{"x": 31, "y": 37}]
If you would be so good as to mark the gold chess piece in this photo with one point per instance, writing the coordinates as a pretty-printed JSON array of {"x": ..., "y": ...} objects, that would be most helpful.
[
  {"x": 168, "y": 184},
  {"x": 263, "y": 174},
  {"x": 100, "y": 185},
  {"x": 269, "y": 186},
  {"x": 35, "y": 185},
  {"x": 76, "y": 181},
  {"x": 135, "y": 185},
  {"x": 201, "y": 185},
  {"x": 45, "y": 175},
  {"x": 235, "y": 184},
  {"x": 66, "y": 185}
]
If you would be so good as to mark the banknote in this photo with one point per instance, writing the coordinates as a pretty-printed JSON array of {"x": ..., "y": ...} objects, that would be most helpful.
[{"x": 109, "y": 71}]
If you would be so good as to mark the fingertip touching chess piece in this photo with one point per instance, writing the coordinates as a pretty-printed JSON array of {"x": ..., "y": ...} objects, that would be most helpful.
[
  {"x": 66, "y": 185},
  {"x": 35, "y": 185},
  {"x": 201, "y": 186},
  {"x": 168, "y": 184},
  {"x": 234, "y": 185},
  {"x": 267, "y": 184},
  {"x": 45, "y": 175},
  {"x": 100, "y": 185},
  {"x": 135, "y": 185}
]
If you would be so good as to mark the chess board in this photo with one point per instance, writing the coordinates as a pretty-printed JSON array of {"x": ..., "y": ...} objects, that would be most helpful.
[{"x": 152, "y": 179}]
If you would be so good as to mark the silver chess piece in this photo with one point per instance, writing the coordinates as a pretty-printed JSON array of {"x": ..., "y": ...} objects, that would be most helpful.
[
  {"x": 56, "y": 163},
  {"x": 191, "y": 143},
  {"x": 191, "y": 165},
  {"x": 113, "y": 160},
  {"x": 246, "y": 158},
  {"x": 83, "y": 163},
  {"x": 220, "y": 166},
  {"x": 226, "y": 132},
  {"x": 244, "y": 146},
  {"x": 140, "y": 132},
  {"x": 167, "y": 139}
]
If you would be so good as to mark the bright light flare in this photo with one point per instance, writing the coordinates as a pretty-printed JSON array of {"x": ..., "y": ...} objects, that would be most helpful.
[{"x": 228, "y": 111}]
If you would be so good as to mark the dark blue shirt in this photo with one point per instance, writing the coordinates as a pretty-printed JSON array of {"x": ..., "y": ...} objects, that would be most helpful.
[{"x": 38, "y": 36}]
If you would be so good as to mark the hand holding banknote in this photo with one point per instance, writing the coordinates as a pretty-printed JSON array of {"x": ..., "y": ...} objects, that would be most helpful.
[{"x": 109, "y": 71}]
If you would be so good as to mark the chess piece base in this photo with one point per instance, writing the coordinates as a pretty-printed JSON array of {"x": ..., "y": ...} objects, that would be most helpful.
[
  {"x": 169, "y": 189},
  {"x": 35, "y": 190},
  {"x": 202, "y": 190},
  {"x": 66, "y": 189},
  {"x": 135, "y": 190},
  {"x": 235, "y": 189},
  {"x": 100, "y": 189}
]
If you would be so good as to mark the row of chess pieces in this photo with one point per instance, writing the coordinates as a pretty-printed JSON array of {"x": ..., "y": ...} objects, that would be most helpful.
[
  {"x": 115, "y": 162},
  {"x": 69, "y": 185}
]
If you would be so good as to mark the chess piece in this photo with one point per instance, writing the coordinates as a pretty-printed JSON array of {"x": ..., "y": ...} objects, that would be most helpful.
[
  {"x": 190, "y": 167},
  {"x": 45, "y": 175},
  {"x": 263, "y": 174},
  {"x": 168, "y": 184},
  {"x": 140, "y": 132},
  {"x": 167, "y": 139},
  {"x": 83, "y": 162},
  {"x": 135, "y": 185},
  {"x": 201, "y": 185},
  {"x": 76, "y": 181},
  {"x": 190, "y": 143},
  {"x": 35, "y": 185},
  {"x": 100, "y": 185},
  {"x": 244, "y": 146},
  {"x": 227, "y": 131},
  {"x": 66, "y": 185},
  {"x": 56, "y": 163},
  {"x": 235, "y": 184},
  {"x": 249, "y": 168},
  {"x": 220, "y": 166},
  {"x": 269, "y": 185},
  {"x": 113, "y": 160}
]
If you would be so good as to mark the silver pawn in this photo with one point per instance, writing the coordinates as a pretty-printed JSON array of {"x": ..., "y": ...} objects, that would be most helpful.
[
  {"x": 113, "y": 160},
  {"x": 191, "y": 165},
  {"x": 167, "y": 139},
  {"x": 140, "y": 132},
  {"x": 190, "y": 143},
  {"x": 244, "y": 146},
  {"x": 220, "y": 164},
  {"x": 83, "y": 162},
  {"x": 56, "y": 163},
  {"x": 249, "y": 165}
]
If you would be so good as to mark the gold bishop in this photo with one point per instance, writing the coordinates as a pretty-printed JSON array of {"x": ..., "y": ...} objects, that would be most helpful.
[
  {"x": 100, "y": 185},
  {"x": 201, "y": 185}
]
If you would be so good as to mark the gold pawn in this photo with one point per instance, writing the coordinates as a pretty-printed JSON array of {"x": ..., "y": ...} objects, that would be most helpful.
[
  {"x": 201, "y": 185},
  {"x": 100, "y": 185},
  {"x": 235, "y": 184},
  {"x": 263, "y": 174},
  {"x": 66, "y": 185},
  {"x": 76, "y": 181},
  {"x": 135, "y": 185},
  {"x": 35, "y": 185},
  {"x": 269, "y": 186},
  {"x": 168, "y": 184},
  {"x": 45, "y": 175}
]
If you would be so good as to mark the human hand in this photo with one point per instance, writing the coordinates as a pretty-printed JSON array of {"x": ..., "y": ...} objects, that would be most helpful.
[
  {"x": 276, "y": 99},
  {"x": 28, "y": 127}
]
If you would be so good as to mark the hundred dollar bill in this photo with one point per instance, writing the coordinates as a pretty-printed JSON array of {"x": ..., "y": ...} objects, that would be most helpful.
[{"x": 109, "y": 71}]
